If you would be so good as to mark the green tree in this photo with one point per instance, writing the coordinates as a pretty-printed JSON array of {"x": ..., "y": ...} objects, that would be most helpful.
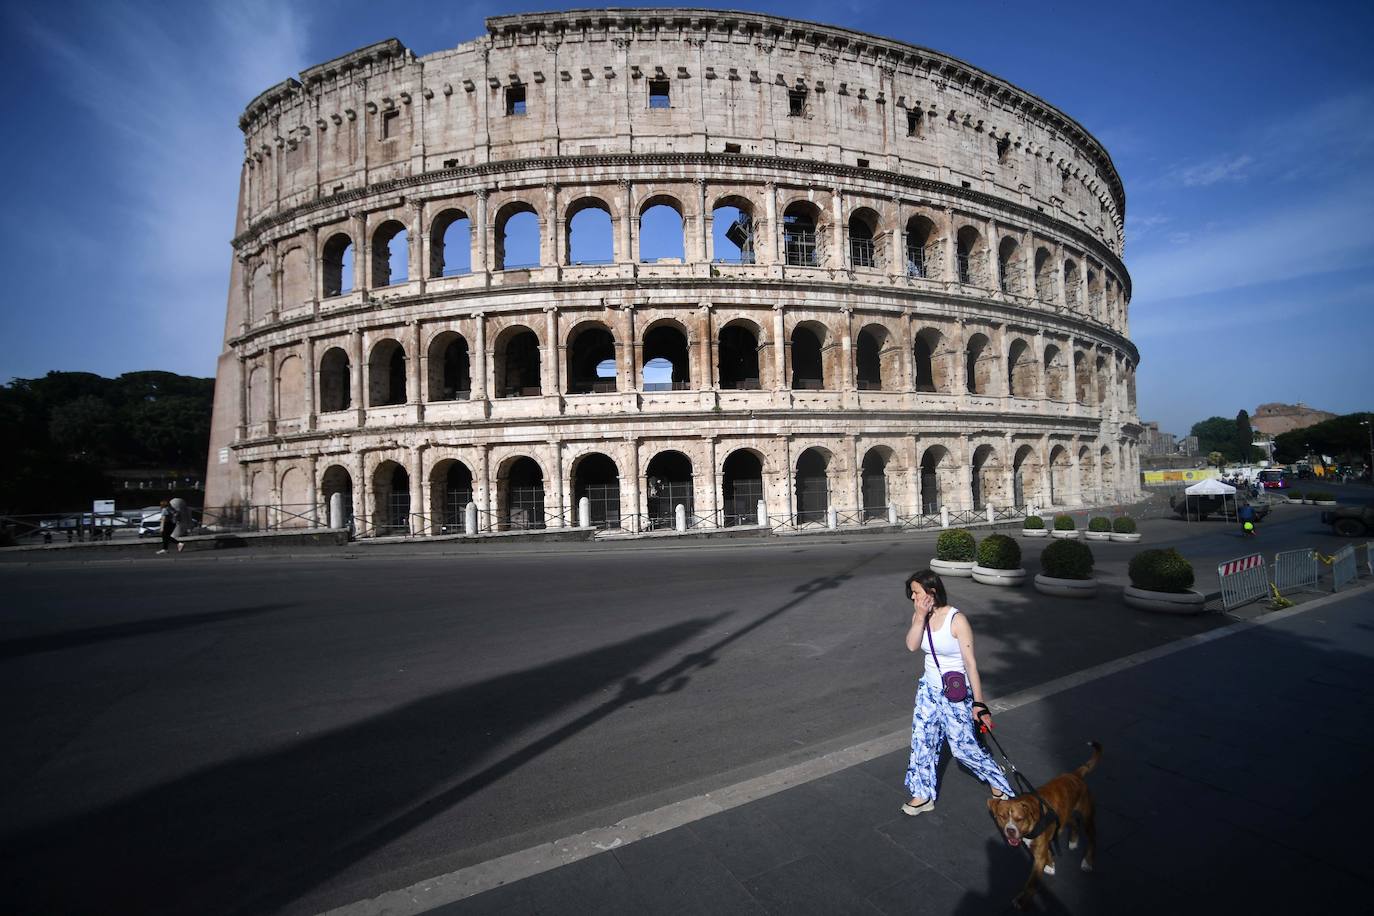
[
  {"x": 1343, "y": 438},
  {"x": 1245, "y": 438},
  {"x": 1216, "y": 434}
]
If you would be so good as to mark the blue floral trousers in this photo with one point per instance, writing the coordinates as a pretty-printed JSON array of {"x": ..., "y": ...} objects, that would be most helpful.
[{"x": 933, "y": 720}]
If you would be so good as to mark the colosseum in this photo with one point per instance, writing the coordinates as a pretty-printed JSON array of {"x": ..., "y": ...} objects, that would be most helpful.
[{"x": 732, "y": 262}]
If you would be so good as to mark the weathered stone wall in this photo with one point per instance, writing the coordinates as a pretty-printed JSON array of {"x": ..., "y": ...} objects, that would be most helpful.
[{"x": 1017, "y": 213}]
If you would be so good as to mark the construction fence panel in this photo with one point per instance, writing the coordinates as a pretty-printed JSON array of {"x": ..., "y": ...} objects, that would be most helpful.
[
  {"x": 1343, "y": 570},
  {"x": 1242, "y": 580},
  {"x": 1296, "y": 570}
]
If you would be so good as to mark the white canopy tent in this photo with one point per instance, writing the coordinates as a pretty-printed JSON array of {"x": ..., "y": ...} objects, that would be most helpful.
[{"x": 1209, "y": 487}]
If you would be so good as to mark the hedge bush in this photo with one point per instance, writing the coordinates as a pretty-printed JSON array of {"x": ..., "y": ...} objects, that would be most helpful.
[
  {"x": 955, "y": 545},
  {"x": 1124, "y": 524},
  {"x": 1296, "y": 494},
  {"x": 997, "y": 551},
  {"x": 1100, "y": 523},
  {"x": 1161, "y": 571},
  {"x": 1064, "y": 523},
  {"x": 1320, "y": 496},
  {"x": 1034, "y": 523},
  {"x": 1067, "y": 559}
]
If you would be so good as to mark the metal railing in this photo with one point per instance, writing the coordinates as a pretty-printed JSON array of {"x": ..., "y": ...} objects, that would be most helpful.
[{"x": 1343, "y": 570}]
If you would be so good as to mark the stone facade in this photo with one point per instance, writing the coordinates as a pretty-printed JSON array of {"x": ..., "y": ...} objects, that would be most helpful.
[
  {"x": 1273, "y": 419},
  {"x": 923, "y": 303}
]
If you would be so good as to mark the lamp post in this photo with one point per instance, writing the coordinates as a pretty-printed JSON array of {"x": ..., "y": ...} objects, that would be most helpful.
[{"x": 1370, "y": 426}]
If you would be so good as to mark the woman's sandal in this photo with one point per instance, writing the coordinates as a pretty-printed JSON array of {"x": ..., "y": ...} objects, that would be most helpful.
[
  {"x": 913, "y": 810},
  {"x": 999, "y": 796}
]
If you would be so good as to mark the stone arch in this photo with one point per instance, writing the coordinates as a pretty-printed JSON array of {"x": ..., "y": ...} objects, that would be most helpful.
[
  {"x": 1025, "y": 475},
  {"x": 733, "y": 230},
  {"x": 1044, "y": 275},
  {"x": 1094, "y": 294},
  {"x": 922, "y": 248},
  {"x": 450, "y": 244},
  {"x": 257, "y": 396},
  {"x": 812, "y": 477},
  {"x": 1071, "y": 283},
  {"x": 663, "y": 227},
  {"x": 803, "y": 234},
  {"x": 1021, "y": 370},
  {"x": 741, "y": 482},
  {"x": 809, "y": 339},
  {"x": 1106, "y": 461},
  {"x": 986, "y": 477},
  {"x": 1101, "y": 379},
  {"x": 596, "y": 476},
  {"x": 260, "y": 293},
  {"x": 1060, "y": 472},
  {"x": 390, "y": 499},
  {"x": 666, "y": 340},
  {"x": 979, "y": 363},
  {"x": 520, "y": 493},
  {"x": 517, "y": 234},
  {"x": 1088, "y": 486},
  {"x": 450, "y": 490},
  {"x": 297, "y": 511},
  {"x": 591, "y": 345},
  {"x": 668, "y": 482},
  {"x": 1082, "y": 378},
  {"x": 1055, "y": 386},
  {"x": 516, "y": 362},
  {"x": 876, "y": 357},
  {"x": 865, "y": 248},
  {"x": 874, "y": 487},
  {"x": 939, "y": 478},
  {"x": 738, "y": 361},
  {"x": 971, "y": 257},
  {"x": 1009, "y": 266},
  {"x": 295, "y": 278},
  {"x": 591, "y": 231},
  {"x": 337, "y": 479},
  {"x": 386, "y": 373},
  {"x": 390, "y": 254},
  {"x": 336, "y": 381},
  {"x": 291, "y": 388},
  {"x": 450, "y": 367},
  {"x": 336, "y": 265}
]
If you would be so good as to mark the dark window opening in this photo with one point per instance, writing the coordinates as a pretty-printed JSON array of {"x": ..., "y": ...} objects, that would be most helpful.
[
  {"x": 591, "y": 362},
  {"x": 732, "y": 147},
  {"x": 390, "y": 124},
  {"x": 338, "y": 266},
  {"x": 813, "y": 490},
  {"x": 869, "y": 362},
  {"x": 861, "y": 248},
  {"x": 599, "y": 482},
  {"x": 518, "y": 374},
  {"x": 874, "y": 485},
  {"x": 739, "y": 359},
  {"x": 799, "y": 239},
  {"x": 863, "y": 163},
  {"x": 742, "y": 488},
  {"x": 525, "y": 495},
  {"x": 913, "y": 123},
  {"x": 796, "y": 103},
  {"x": 659, "y": 94},
  {"x": 1003, "y": 147},
  {"x": 807, "y": 367},
  {"x": 668, "y": 482},
  {"x": 335, "y": 381},
  {"x": 925, "y": 370},
  {"x": 930, "y": 484},
  {"x": 457, "y": 494},
  {"x": 393, "y": 503},
  {"x": 515, "y": 100}
]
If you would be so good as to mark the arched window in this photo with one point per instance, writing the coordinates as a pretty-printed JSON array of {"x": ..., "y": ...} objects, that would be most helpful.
[
  {"x": 450, "y": 491},
  {"x": 450, "y": 244},
  {"x": 386, "y": 374},
  {"x": 922, "y": 249},
  {"x": 979, "y": 362},
  {"x": 660, "y": 233},
  {"x": 1059, "y": 476},
  {"x": 873, "y": 482},
  {"x": 517, "y": 363},
  {"x": 1021, "y": 370},
  {"x": 450, "y": 370},
  {"x": 969, "y": 256},
  {"x": 1071, "y": 284},
  {"x": 1082, "y": 378},
  {"x": 739, "y": 357},
  {"x": 732, "y": 231},
  {"x": 390, "y": 254},
  {"x": 813, "y": 487},
  {"x": 668, "y": 484},
  {"x": 596, "y": 479},
  {"x": 517, "y": 237},
  {"x": 1009, "y": 266},
  {"x": 931, "y": 472},
  {"x": 336, "y": 381},
  {"x": 523, "y": 484},
  {"x": 863, "y": 229},
  {"x": 591, "y": 360},
  {"x": 590, "y": 239},
  {"x": 1044, "y": 275},
  {"x": 986, "y": 477},
  {"x": 337, "y": 264},
  {"x": 1054, "y": 373},
  {"x": 1025, "y": 470},
  {"x": 808, "y": 369},
  {"x": 336, "y": 479},
  {"x": 874, "y": 362},
  {"x": 391, "y": 490},
  {"x": 742, "y": 487},
  {"x": 666, "y": 367},
  {"x": 801, "y": 239}
]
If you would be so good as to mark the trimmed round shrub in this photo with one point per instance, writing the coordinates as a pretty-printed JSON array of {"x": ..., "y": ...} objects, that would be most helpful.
[
  {"x": 997, "y": 551},
  {"x": 1123, "y": 524},
  {"x": 1100, "y": 523},
  {"x": 1034, "y": 523},
  {"x": 1321, "y": 496},
  {"x": 1066, "y": 559},
  {"x": 955, "y": 545},
  {"x": 1064, "y": 523},
  {"x": 1161, "y": 571}
]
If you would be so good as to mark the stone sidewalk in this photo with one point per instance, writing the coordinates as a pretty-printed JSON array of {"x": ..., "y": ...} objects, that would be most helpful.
[{"x": 1230, "y": 779}]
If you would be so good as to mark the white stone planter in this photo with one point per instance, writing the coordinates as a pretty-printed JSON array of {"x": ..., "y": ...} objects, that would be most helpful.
[
  {"x": 1065, "y": 588},
  {"x": 1035, "y": 532},
  {"x": 1003, "y": 577},
  {"x": 960, "y": 569},
  {"x": 1098, "y": 535},
  {"x": 1071, "y": 534},
  {"x": 1296, "y": 502},
  {"x": 1323, "y": 502},
  {"x": 1126, "y": 538},
  {"x": 1189, "y": 602}
]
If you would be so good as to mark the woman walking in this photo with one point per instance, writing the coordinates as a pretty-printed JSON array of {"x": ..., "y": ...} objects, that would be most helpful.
[
  {"x": 167, "y": 526},
  {"x": 937, "y": 718}
]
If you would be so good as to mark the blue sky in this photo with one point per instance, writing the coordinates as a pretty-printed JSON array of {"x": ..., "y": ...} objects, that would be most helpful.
[{"x": 1244, "y": 133}]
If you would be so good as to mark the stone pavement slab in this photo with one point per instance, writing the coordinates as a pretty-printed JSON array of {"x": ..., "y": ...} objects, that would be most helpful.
[{"x": 1225, "y": 786}]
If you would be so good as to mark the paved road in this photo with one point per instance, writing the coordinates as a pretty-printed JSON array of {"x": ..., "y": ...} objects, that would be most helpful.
[{"x": 225, "y": 735}]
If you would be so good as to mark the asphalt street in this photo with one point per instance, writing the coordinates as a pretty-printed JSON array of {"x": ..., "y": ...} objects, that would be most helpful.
[{"x": 268, "y": 734}]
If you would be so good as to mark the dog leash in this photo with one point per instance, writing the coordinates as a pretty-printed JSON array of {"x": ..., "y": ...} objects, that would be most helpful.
[{"x": 1025, "y": 787}]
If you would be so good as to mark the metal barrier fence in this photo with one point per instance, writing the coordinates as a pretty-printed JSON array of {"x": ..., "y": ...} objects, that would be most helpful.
[
  {"x": 1296, "y": 569},
  {"x": 1343, "y": 570},
  {"x": 1242, "y": 580},
  {"x": 1369, "y": 556}
]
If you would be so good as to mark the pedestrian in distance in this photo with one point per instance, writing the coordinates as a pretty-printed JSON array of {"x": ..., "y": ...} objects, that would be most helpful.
[
  {"x": 1247, "y": 520},
  {"x": 167, "y": 526},
  {"x": 949, "y": 696}
]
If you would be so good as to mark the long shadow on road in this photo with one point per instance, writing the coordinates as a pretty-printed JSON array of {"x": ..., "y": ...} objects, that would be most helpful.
[{"x": 53, "y": 642}]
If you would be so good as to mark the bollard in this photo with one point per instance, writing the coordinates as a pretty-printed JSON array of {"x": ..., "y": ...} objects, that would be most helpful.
[
  {"x": 763, "y": 515},
  {"x": 832, "y": 518},
  {"x": 584, "y": 512},
  {"x": 336, "y": 511},
  {"x": 992, "y": 515},
  {"x": 944, "y": 516},
  {"x": 680, "y": 517},
  {"x": 470, "y": 519},
  {"x": 891, "y": 514}
]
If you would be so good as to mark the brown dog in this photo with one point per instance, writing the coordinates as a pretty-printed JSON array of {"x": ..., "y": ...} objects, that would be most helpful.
[{"x": 1067, "y": 796}]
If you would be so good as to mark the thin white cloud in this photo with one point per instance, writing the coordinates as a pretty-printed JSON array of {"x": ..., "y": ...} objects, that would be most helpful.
[{"x": 1214, "y": 171}]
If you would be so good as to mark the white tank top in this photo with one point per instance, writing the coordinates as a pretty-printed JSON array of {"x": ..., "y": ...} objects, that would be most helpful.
[{"x": 946, "y": 650}]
